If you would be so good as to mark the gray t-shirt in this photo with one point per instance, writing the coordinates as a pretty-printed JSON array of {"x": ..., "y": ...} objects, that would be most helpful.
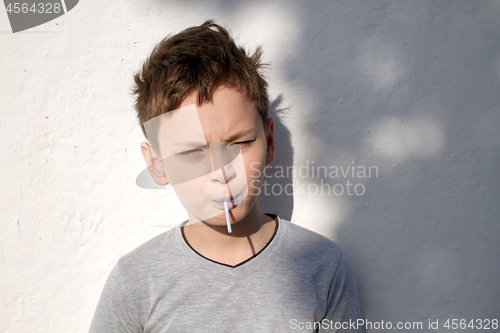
[{"x": 299, "y": 282}]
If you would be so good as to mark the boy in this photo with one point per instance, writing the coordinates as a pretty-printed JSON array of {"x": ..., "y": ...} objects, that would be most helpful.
[{"x": 202, "y": 104}]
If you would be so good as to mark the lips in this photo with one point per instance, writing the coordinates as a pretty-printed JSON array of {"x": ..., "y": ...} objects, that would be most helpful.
[{"x": 232, "y": 202}]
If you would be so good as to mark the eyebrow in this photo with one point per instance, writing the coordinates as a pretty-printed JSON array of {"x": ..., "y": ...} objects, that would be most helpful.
[
  {"x": 189, "y": 144},
  {"x": 199, "y": 144},
  {"x": 241, "y": 133}
]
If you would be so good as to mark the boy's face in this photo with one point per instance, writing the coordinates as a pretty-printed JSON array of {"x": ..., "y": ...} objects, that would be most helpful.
[{"x": 215, "y": 152}]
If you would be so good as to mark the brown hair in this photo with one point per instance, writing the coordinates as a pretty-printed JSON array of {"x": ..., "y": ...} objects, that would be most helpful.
[{"x": 197, "y": 59}]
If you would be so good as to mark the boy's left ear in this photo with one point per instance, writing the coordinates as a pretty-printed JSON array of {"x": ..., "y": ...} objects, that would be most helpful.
[
  {"x": 155, "y": 166},
  {"x": 270, "y": 141}
]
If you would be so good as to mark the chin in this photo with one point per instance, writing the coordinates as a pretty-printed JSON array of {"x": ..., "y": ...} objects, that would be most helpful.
[
  {"x": 218, "y": 220},
  {"x": 236, "y": 215}
]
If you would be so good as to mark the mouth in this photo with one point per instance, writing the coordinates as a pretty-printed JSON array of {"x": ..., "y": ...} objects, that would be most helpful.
[{"x": 231, "y": 202}]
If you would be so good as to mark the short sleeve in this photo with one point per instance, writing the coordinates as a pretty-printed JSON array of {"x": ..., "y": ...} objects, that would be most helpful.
[
  {"x": 115, "y": 311},
  {"x": 343, "y": 308}
]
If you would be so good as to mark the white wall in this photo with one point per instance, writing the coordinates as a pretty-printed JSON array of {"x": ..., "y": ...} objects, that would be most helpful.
[{"x": 411, "y": 87}]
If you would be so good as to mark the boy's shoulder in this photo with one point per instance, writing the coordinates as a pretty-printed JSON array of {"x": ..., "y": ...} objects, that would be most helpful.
[
  {"x": 148, "y": 254},
  {"x": 307, "y": 243}
]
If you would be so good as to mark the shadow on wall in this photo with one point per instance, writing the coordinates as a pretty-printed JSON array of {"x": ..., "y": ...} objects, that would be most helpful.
[
  {"x": 411, "y": 88},
  {"x": 268, "y": 201},
  {"x": 406, "y": 87}
]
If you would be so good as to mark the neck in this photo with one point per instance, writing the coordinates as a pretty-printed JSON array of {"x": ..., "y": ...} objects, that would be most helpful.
[{"x": 248, "y": 237}]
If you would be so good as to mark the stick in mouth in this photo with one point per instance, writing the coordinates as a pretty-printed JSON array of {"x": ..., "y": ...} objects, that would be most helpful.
[{"x": 228, "y": 221}]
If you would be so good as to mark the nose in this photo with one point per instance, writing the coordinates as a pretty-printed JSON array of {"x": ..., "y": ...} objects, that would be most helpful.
[
  {"x": 221, "y": 158},
  {"x": 223, "y": 175}
]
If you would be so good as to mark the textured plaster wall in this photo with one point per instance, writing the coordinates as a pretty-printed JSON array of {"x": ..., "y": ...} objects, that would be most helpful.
[{"x": 411, "y": 87}]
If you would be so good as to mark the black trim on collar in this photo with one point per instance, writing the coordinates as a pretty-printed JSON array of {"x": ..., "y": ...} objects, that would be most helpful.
[{"x": 245, "y": 261}]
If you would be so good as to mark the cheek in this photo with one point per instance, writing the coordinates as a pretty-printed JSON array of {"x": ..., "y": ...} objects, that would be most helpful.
[
  {"x": 254, "y": 174},
  {"x": 185, "y": 192},
  {"x": 254, "y": 160}
]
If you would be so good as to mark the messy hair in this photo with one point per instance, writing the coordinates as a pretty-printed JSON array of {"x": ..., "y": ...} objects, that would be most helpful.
[{"x": 198, "y": 59}]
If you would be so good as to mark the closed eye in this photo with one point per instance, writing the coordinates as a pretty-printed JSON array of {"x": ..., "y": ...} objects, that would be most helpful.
[
  {"x": 244, "y": 143},
  {"x": 190, "y": 152}
]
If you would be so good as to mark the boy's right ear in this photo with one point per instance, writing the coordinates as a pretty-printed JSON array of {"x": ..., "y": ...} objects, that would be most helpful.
[{"x": 154, "y": 165}]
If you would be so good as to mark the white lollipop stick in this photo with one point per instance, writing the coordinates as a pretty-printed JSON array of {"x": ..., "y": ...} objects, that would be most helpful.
[{"x": 228, "y": 221}]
